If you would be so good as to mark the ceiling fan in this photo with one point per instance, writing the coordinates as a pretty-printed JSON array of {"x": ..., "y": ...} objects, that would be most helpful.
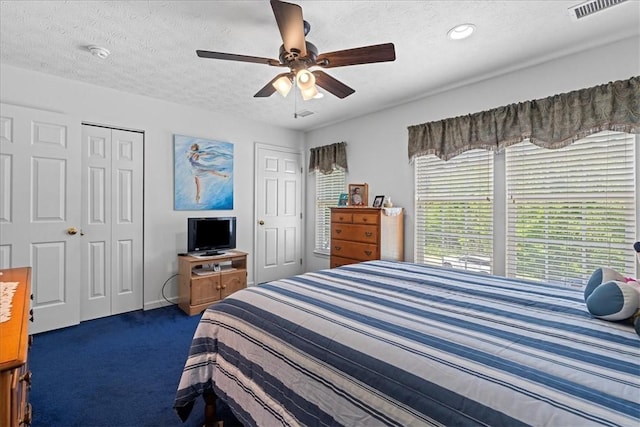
[{"x": 300, "y": 55}]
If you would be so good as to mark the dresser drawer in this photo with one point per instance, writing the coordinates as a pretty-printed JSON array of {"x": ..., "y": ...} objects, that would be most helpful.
[
  {"x": 365, "y": 218},
  {"x": 345, "y": 217},
  {"x": 355, "y": 250},
  {"x": 357, "y": 233},
  {"x": 337, "y": 261}
]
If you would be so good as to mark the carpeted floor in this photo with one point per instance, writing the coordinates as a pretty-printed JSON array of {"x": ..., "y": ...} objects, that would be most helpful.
[{"x": 116, "y": 371}]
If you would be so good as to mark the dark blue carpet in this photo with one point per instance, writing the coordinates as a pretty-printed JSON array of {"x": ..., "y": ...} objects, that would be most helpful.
[{"x": 116, "y": 371}]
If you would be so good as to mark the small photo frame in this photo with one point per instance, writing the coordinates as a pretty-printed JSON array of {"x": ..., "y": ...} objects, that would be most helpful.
[
  {"x": 343, "y": 200},
  {"x": 358, "y": 195},
  {"x": 377, "y": 202}
]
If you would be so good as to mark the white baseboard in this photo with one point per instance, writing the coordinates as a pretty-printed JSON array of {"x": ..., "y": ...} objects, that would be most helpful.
[{"x": 159, "y": 303}]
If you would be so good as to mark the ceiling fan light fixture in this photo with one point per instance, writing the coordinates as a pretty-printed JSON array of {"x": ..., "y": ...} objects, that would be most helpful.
[
  {"x": 309, "y": 93},
  {"x": 460, "y": 32},
  {"x": 283, "y": 85},
  {"x": 305, "y": 79}
]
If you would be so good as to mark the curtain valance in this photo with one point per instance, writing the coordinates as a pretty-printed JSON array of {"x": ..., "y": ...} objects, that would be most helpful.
[
  {"x": 329, "y": 157},
  {"x": 552, "y": 122}
]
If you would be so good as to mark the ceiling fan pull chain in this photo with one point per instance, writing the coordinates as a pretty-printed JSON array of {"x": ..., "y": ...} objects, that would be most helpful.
[{"x": 295, "y": 100}]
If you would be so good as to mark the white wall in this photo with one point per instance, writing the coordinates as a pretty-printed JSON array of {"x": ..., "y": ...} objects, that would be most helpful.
[
  {"x": 377, "y": 143},
  {"x": 165, "y": 229}
]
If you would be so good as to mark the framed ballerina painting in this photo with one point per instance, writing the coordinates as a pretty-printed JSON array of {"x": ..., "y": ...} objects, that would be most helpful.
[{"x": 203, "y": 174}]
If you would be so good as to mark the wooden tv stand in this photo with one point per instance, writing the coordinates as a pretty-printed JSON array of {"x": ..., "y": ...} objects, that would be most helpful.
[{"x": 199, "y": 285}]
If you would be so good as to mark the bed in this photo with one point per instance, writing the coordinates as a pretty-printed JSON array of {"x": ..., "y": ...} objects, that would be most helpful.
[{"x": 403, "y": 344}]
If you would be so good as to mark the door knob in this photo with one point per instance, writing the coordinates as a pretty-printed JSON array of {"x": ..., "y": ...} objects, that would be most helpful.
[
  {"x": 261, "y": 222},
  {"x": 72, "y": 231}
]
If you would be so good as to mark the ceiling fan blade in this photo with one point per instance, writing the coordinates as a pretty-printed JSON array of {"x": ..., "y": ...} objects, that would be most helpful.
[
  {"x": 359, "y": 55},
  {"x": 291, "y": 26},
  {"x": 241, "y": 58},
  {"x": 268, "y": 89},
  {"x": 332, "y": 85}
]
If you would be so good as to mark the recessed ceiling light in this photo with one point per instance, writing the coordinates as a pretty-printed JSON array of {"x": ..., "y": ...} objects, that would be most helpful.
[
  {"x": 98, "y": 51},
  {"x": 460, "y": 32}
]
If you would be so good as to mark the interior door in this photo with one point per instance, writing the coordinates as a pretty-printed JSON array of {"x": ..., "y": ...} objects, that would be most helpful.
[
  {"x": 278, "y": 229},
  {"x": 40, "y": 209},
  {"x": 112, "y": 218}
]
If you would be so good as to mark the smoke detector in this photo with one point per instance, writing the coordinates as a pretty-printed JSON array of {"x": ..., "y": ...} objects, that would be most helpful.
[
  {"x": 590, "y": 7},
  {"x": 98, "y": 51}
]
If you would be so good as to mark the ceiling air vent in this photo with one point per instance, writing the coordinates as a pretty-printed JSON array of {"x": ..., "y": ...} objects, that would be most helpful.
[
  {"x": 303, "y": 113},
  {"x": 590, "y": 7}
]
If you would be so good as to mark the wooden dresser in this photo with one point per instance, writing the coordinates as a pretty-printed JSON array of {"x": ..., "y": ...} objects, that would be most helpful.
[
  {"x": 15, "y": 378},
  {"x": 364, "y": 234}
]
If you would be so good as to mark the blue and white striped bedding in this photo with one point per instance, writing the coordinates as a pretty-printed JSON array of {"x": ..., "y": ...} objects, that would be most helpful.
[{"x": 401, "y": 344}]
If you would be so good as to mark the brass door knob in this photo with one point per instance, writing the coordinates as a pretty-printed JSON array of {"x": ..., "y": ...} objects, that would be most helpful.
[{"x": 72, "y": 230}]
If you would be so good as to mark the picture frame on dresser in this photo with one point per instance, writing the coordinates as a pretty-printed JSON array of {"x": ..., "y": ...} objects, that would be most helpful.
[
  {"x": 377, "y": 202},
  {"x": 358, "y": 195}
]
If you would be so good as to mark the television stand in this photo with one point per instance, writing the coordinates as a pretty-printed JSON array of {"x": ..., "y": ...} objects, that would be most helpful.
[{"x": 196, "y": 291}]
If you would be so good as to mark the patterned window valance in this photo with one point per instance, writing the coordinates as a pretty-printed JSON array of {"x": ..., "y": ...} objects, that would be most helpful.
[
  {"x": 328, "y": 158},
  {"x": 552, "y": 122}
]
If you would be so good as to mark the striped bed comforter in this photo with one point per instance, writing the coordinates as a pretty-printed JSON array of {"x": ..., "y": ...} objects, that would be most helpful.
[{"x": 392, "y": 343}]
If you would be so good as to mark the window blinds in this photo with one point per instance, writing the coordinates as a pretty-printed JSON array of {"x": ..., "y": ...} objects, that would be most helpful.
[
  {"x": 454, "y": 211},
  {"x": 571, "y": 210},
  {"x": 328, "y": 189}
]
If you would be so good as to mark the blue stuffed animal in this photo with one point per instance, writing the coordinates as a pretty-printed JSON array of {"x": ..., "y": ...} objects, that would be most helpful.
[{"x": 611, "y": 296}]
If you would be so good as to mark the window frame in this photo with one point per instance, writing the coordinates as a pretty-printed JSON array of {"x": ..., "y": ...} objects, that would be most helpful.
[
  {"x": 328, "y": 188},
  {"x": 500, "y": 212},
  {"x": 450, "y": 209}
]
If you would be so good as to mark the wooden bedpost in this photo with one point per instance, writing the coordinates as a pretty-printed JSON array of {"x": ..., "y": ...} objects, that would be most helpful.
[{"x": 210, "y": 410}]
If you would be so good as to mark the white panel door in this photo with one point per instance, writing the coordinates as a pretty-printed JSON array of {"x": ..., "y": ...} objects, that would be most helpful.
[
  {"x": 278, "y": 212},
  {"x": 40, "y": 209},
  {"x": 111, "y": 221}
]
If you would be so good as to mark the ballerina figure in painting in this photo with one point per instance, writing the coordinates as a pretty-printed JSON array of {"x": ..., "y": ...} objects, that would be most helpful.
[{"x": 203, "y": 163}]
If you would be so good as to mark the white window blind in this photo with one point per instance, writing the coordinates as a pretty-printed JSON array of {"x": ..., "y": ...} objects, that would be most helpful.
[
  {"x": 328, "y": 189},
  {"x": 454, "y": 211},
  {"x": 571, "y": 210}
]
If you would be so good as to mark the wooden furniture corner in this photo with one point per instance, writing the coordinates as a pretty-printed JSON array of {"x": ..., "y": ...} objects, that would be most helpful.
[{"x": 15, "y": 377}]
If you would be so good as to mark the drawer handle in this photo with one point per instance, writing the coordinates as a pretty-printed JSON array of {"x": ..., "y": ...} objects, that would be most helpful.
[
  {"x": 337, "y": 248},
  {"x": 338, "y": 231},
  {"x": 26, "y": 378},
  {"x": 368, "y": 253},
  {"x": 368, "y": 234},
  {"x": 364, "y": 219},
  {"x": 217, "y": 287},
  {"x": 341, "y": 218}
]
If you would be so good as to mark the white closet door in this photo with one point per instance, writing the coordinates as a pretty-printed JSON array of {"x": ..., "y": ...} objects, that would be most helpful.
[
  {"x": 40, "y": 209},
  {"x": 112, "y": 254}
]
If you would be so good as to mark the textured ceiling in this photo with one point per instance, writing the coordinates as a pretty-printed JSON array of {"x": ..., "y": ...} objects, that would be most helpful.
[{"x": 153, "y": 46}]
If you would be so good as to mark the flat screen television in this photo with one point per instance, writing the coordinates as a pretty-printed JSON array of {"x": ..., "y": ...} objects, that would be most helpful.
[{"x": 211, "y": 236}]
